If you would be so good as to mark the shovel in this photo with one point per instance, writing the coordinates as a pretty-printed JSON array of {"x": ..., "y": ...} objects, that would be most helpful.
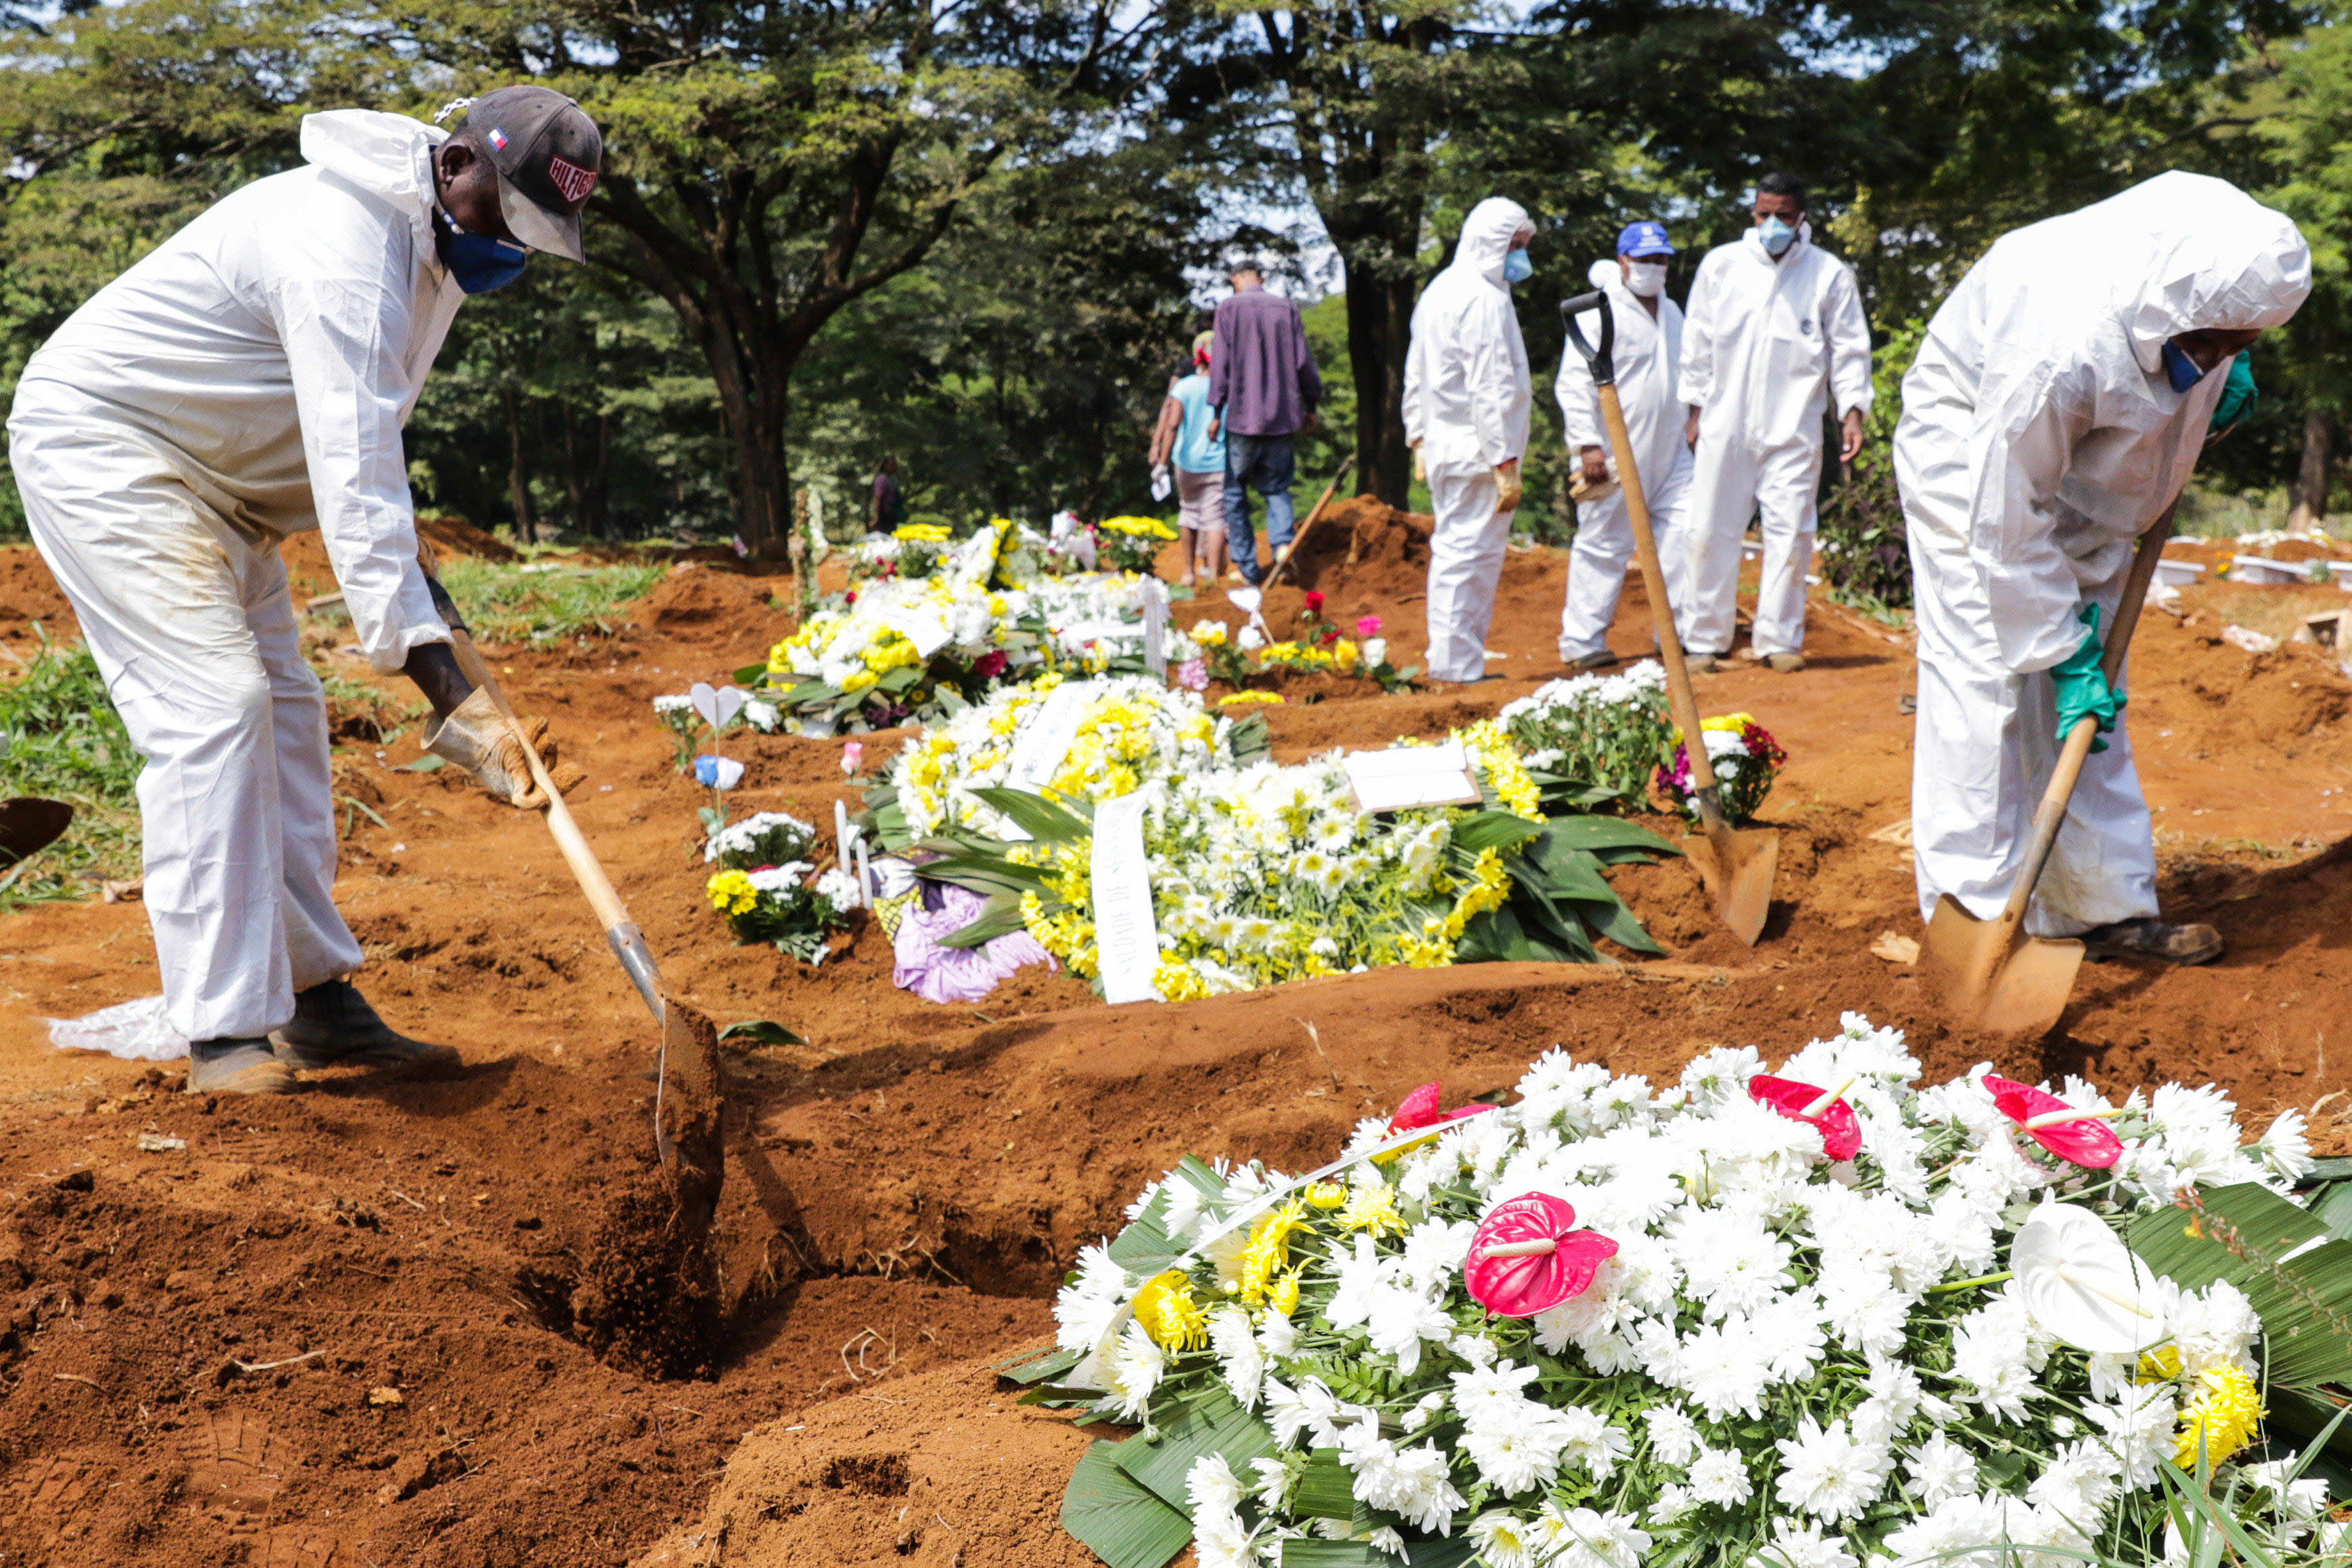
[
  {"x": 1993, "y": 975},
  {"x": 29, "y": 824},
  {"x": 1284, "y": 556},
  {"x": 1737, "y": 865},
  {"x": 687, "y": 1037}
]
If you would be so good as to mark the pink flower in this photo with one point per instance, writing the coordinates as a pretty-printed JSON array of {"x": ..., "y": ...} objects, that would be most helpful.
[
  {"x": 1192, "y": 674},
  {"x": 1840, "y": 1132},
  {"x": 1527, "y": 1257},
  {"x": 1420, "y": 1108},
  {"x": 852, "y": 753},
  {"x": 2069, "y": 1132},
  {"x": 1368, "y": 627}
]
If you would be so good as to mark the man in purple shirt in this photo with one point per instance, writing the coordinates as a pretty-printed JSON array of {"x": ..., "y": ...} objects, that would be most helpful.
[{"x": 1261, "y": 391}]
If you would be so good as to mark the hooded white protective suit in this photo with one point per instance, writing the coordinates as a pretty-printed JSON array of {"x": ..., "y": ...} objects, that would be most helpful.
[
  {"x": 1466, "y": 399},
  {"x": 1766, "y": 345},
  {"x": 2039, "y": 436},
  {"x": 246, "y": 380},
  {"x": 1648, "y": 352}
]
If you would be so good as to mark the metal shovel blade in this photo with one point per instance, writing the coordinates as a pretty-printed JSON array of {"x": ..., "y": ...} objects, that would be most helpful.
[
  {"x": 1737, "y": 865},
  {"x": 1994, "y": 976},
  {"x": 29, "y": 824}
]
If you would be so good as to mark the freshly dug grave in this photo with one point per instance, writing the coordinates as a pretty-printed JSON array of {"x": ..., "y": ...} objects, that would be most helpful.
[{"x": 904, "y": 1191}]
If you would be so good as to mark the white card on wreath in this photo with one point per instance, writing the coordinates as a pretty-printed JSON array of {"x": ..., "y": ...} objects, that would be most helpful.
[
  {"x": 1043, "y": 742},
  {"x": 1126, "y": 934},
  {"x": 1403, "y": 777},
  {"x": 922, "y": 628}
]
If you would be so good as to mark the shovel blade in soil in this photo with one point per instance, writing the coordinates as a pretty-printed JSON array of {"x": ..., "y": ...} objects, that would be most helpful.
[
  {"x": 1737, "y": 868},
  {"x": 28, "y": 825},
  {"x": 1996, "y": 983}
]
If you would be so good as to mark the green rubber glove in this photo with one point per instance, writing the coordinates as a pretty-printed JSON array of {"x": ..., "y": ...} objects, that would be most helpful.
[
  {"x": 2083, "y": 689},
  {"x": 2237, "y": 398}
]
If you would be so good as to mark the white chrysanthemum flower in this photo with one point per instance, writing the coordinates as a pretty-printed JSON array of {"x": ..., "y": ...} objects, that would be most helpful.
[
  {"x": 2138, "y": 1423},
  {"x": 1828, "y": 1472},
  {"x": 2077, "y": 1484},
  {"x": 1505, "y": 1539},
  {"x": 1494, "y": 1395},
  {"x": 1586, "y": 1538},
  {"x": 1239, "y": 1359},
  {"x": 2214, "y": 1329},
  {"x": 1719, "y": 1476},
  {"x": 1721, "y": 1074},
  {"x": 2285, "y": 1149},
  {"x": 1513, "y": 1457},
  {"x": 1136, "y": 1367},
  {"x": 1802, "y": 1545},
  {"x": 1940, "y": 1469},
  {"x": 1729, "y": 1262},
  {"x": 1674, "y": 1435}
]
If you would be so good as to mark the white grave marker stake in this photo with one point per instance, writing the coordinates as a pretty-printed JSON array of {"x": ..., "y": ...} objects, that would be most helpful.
[
  {"x": 1127, "y": 934},
  {"x": 1154, "y": 593}
]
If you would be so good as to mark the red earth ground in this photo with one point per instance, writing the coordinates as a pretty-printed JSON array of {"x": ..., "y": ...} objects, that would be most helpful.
[{"x": 372, "y": 1323}]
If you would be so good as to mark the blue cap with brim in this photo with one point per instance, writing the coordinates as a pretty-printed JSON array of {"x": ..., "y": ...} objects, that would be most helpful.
[{"x": 1643, "y": 239}]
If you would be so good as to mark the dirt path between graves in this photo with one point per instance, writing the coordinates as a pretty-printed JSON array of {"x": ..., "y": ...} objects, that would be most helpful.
[{"x": 340, "y": 1328}]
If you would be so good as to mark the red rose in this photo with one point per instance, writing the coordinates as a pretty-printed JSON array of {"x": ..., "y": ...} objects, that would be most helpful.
[{"x": 1315, "y": 602}]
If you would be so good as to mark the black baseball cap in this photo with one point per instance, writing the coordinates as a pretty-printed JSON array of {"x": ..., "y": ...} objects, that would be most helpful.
[{"x": 547, "y": 153}]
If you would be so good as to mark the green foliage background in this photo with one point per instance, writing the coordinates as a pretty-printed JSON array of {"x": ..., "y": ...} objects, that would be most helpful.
[{"x": 980, "y": 236}]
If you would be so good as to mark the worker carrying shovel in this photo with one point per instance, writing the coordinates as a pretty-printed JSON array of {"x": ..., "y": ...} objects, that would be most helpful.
[
  {"x": 2055, "y": 410},
  {"x": 250, "y": 379}
]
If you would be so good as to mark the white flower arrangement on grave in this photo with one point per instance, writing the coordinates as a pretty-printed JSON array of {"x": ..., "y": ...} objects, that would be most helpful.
[
  {"x": 1259, "y": 873},
  {"x": 1595, "y": 738},
  {"x": 857, "y": 664},
  {"x": 1820, "y": 1318}
]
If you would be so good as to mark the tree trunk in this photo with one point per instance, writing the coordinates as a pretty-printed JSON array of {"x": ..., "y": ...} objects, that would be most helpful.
[
  {"x": 518, "y": 471},
  {"x": 1379, "y": 330},
  {"x": 2310, "y": 508}
]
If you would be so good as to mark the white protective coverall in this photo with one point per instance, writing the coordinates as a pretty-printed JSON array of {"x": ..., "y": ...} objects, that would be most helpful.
[
  {"x": 1466, "y": 399},
  {"x": 246, "y": 380},
  {"x": 1766, "y": 345},
  {"x": 1648, "y": 352},
  {"x": 2039, "y": 436}
]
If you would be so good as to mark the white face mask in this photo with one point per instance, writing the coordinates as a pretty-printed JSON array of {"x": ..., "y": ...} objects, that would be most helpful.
[{"x": 1646, "y": 277}]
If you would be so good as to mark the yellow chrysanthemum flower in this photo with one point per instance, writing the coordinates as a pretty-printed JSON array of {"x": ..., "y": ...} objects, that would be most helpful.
[
  {"x": 1328, "y": 1195},
  {"x": 1168, "y": 1312},
  {"x": 732, "y": 893},
  {"x": 1178, "y": 981},
  {"x": 1281, "y": 1296},
  {"x": 1373, "y": 1210},
  {"x": 1245, "y": 698},
  {"x": 2223, "y": 1414},
  {"x": 921, "y": 533}
]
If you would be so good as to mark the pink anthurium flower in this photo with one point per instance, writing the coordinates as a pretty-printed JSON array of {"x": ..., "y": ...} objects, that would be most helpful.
[
  {"x": 1825, "y": 1108},
  {"x": 2066, "y": 1130},
  {"x": 1420, "y": 1108},
  {"x": 1528, "y": 1256}
]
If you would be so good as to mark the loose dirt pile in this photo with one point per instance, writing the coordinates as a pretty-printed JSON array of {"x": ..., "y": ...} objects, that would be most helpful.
[{"x": 376, "y": 1322}]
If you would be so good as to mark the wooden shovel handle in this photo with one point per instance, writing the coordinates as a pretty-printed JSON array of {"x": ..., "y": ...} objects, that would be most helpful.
[
  {"x": 1682, "y": 698},
  {"x": 2051, "y": 815},
  {"x": 1290, "y": 551}
]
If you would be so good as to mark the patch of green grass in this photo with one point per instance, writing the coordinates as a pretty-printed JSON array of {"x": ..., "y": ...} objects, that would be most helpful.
[
  {"x": 60, "y": 738},
  {"x": 513, "y": 604},
  {"x": 2211, "y": 512}
]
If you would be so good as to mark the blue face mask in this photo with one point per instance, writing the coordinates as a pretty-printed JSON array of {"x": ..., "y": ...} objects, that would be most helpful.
[
  {"x": 2180, "y": 370},
  {"x": 1778, "y": 236},
  {"x": 478, "y": 262},
  {"x": 1517, "y": 267}
]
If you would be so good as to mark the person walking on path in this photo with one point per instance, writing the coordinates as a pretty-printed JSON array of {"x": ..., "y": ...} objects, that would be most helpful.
[
  {"x": 1774, "y": 328},
  {"x": 246, "y": 380},
  {"x": 1263, "y": 389},
  {"x": 1648, "y": 354},
  {"x": 889, "y": 498},
  {"x": 1181, "y": 440},
  {"x": 2057, "y": 405},
  {"x": 1466, "y": 399}
]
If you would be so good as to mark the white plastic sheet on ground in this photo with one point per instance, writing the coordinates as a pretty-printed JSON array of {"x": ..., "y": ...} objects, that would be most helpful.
[{"x": 135, "y": 1031}]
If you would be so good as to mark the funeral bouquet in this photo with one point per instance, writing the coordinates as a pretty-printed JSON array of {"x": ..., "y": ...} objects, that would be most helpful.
[
  {"x": 1131, "y": 543},
  {"x": 923, "y": 648},
  {"x": 1817, "y": 1318},
  {"x": 1317, "y": 647},
  {"x": 1595, "y": 739},
  {"x": 768, "y": 887},
  {"x": 1257, "y": 873},
  {"x": 1745, "y": 756}
]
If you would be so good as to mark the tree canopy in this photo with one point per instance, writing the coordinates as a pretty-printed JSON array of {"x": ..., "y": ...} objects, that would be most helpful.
[{"x": 979, "y": 234}]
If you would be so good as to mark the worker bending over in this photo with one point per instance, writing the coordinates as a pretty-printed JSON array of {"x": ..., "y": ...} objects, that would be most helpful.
[
  {"x": 1649, "y": 330},
  {"x": 1466, "y": 399},
  {"x": 2054, "y": 411},
  {"x": 247, "y": 380},
  {"x": 1774, "y": 328}
]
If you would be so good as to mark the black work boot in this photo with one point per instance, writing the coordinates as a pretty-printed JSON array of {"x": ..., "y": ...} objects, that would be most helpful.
[
  {"x": 2148, "y": 937},
  {"x": 237, "y": 1065},
  {"x": 334, "y": 1027}
]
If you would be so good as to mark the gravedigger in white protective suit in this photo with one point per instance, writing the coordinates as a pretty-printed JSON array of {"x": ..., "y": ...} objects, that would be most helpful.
[
  {"x": 2056, "y": 407},
  {"x": 1649, "y": 330},
  {"x": 1773, "y": 328},
  {"x": 248, "y": 379},
  {"x": 1466, "y": 400}
]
